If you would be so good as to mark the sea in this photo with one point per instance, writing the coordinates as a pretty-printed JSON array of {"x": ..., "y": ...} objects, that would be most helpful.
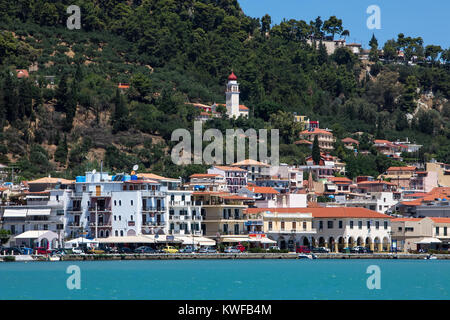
[{"x": 226, "y": 280}]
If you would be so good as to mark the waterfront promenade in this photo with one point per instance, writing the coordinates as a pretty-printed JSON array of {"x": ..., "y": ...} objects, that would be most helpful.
[{"x": 222, "y": 256}]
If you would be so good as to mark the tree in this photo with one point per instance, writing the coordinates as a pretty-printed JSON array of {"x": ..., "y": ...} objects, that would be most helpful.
[
  {"x": 266, "y": 21},
  {"x": 120, "y": 115},
  {"x": 4, "y": 236},
  {"x": 322, "y": 54},
  {"x": 390, "y": 50},
  {"x": 373, "y": 54},
  {"x": 432, "y": 52},
  {"x": 409, "y": 96},
  {"x": 62, "y": 151},
  {"x": 315, "y": 153},
  {"x": 333, "y": 25},
  {"x": 345, "y": 33}
]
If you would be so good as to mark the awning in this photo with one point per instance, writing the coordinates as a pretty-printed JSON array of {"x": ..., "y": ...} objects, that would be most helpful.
[
  {"x": 268, "y": 241},
  {"x": 38, "y": 212},
  {"x": 242, "y": 239},
  {"x": 127, "y": 239},
  {"x": 37, "y": 234},
  {"x": 162, "y": 238},
  {"x": 429, "y": 241},
  {"x": 200, "y": 241},
  {"x": 15, "y": 213}
]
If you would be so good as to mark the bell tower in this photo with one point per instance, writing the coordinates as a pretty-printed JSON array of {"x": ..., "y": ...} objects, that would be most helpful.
[{"x": 232, "y": 96}]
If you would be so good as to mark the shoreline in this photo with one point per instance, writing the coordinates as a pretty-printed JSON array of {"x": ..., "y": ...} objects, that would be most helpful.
[{"x": 220, "y": 256}]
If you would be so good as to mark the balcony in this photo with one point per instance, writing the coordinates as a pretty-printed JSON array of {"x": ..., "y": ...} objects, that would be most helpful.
[
  {"x": 150, "y": 194},
  {"x": 153, "y": 209},
  {"x": 153, "y": 224},
  {"x": 100, "y": 224},
  {"x": 100, "y": 209},
  {"x": 293, "y": 231}
]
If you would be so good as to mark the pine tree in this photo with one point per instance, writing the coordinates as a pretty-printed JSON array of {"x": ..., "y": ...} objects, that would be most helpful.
[
  {"x": 61, "y": 93},
  {"x": 62, "y": 151},
  {"x": 373, "y": 54},
  {"x": 316, "y": 150},
  {"x": 322, "y": 53}
]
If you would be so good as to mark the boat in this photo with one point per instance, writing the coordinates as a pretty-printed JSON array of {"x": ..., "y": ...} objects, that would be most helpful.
[
  {"x": 54, "y": 258},
  {"x": 430, "y": 257},
  {"x": 310, "y": 256}
]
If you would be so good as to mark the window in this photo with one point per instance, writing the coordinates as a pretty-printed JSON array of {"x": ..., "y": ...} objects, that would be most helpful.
[
  {"x": 115, "y": 218},
  {"x": 120, "y": 218},
  {"x": 59, "y": 226},
  {"x": 225, "y": 228},
  {"x": 236, "y": 214},
  {"x": 409, "y": 229},
  {"x": 225, "y": 216},
  {"x": 171, "y": 212},
  {"x": 45, "y": 226},
  {"x": 270, "y": 225},
  {"x": 399, "y": 228},
  {"x": 359, "y": 224},
  {"x": 330, "y": 224},
  {"x": 351, "y": 224},
  {"x": 445, "y": 231},
  {"x": 437, "y": 231},
  {"x": 368, "y": 224},
  {"x": 115, "y": 202},
  {"x": 131, "y": 218},
  {"x": 320, "y": 225},
  {"x": 120, "y": 202},
  {"x": 183, "y": 197},
  {"x": 304, "y": 225},
  {"x": 131, "y": 202},
  {"x": 282, "y": 225},
  {"x": 121, "y": 233},
  {"x": 377, "y": 225},
  {"x": 294, "y": 225},
  {"x": 385, "y": 225},
  {"x": 116, "y": 233},
  {"x": 340, "y": 224},
  {"x": 236, "y": 229}
]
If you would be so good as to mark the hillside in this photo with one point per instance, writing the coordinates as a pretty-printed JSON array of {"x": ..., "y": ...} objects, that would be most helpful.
[{"x": 175, "y": 52}]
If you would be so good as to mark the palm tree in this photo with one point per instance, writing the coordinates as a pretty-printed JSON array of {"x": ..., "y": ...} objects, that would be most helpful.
[{"x": 345, "y": 33}]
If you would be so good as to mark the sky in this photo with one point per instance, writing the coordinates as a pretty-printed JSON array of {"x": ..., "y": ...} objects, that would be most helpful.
[{"x": 415, "y": 18}]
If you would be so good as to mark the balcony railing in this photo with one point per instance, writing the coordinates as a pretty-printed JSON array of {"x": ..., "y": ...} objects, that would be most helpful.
[
  {"x": 153, "y": 209},
  {"x": 154, "y": 224},
  {"x": 292, "y": 231},
  {"x": 100, "y": 209},
  {"x": 103, "y": 224}
]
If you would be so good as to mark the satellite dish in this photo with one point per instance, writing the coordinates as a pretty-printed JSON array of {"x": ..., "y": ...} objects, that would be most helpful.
[
  {"x": 94, "y": 171},
  {"x": 135, "y": 167}
]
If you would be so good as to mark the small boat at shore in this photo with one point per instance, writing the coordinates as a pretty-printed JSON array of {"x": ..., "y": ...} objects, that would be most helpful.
[
  {"x": 430, "y": 257},
  {"x": 54, "y": 258},
  {"x": 307, "y": 256}
]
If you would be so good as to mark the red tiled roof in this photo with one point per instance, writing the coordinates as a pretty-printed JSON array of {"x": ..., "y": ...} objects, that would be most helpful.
[
  {"x": 340, "y": 180},
  {"x": 22, "y": 73},
  {"x": 327, "y": 212},
  {"x": 316, "y": 131},
  {"x": 376, "y": 182},
  {"x": 350, "y": 140},
  {"x": 242, "y": 108},
  {"x": 262, "y": 190},
  {"x": 405, "y": 219},
  {"x": 410, "y": 168},
  {"x": 228, "y": 168},
  {"x": 303, "y": 141},
  {"x": 440, "y": 220},
  {"x": 232, "y": 76}
]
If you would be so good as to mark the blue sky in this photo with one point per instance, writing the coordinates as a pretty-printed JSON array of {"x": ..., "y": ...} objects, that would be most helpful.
[{"x": 427, "y": 19}]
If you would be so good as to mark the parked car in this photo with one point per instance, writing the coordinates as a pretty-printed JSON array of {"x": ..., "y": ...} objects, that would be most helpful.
[
  {"x": 125, "y": 250},
  {"x": 170, "y": 249},
  {"x": 208, "y": 250},
  {"x": 232, "y": 250},
  {"x": 144, "y": 249},
  {"x": 187, "y": 249},
  {"x": 240, "y": 247},
  {"x": 303, "y": 249},
  {"x": 320, "y": 250},
  {"x": 42, "y": 250},
  {"x": 273, "y": 248},
  {"x": 360, "y": 249}
]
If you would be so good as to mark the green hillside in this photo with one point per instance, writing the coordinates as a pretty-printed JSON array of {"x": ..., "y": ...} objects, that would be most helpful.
[{"x": 174, "y": 52}]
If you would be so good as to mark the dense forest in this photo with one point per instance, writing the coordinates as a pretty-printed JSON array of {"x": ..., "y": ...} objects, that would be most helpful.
[{"x": 68, "y": 114}]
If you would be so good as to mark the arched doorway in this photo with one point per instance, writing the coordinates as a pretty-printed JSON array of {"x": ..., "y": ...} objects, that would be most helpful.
[
  {"x": 386, "y": 244},
  {"x": 331, "y": 244},
  {"x": 369, "y": 244},
  {"x": 359, "y": 241},
  {"x": 282, "y": 243},
  {"x": 291, "y": 243},
  {"x": 131, "y": 232},
  {"x": 306, "y": 241},
  {"x": 377, "y": 244},
  {"x": 313, "y": 242},
  {"x": 351, "y": 242},
  {"x": 321, "y": 242},
  {"x": 341, "y": 244}
]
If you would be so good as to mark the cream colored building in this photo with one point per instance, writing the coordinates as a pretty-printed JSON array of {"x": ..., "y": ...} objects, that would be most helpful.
[
  {"x": 412, "y": 234},
  {"x": 443, "y": 172}
]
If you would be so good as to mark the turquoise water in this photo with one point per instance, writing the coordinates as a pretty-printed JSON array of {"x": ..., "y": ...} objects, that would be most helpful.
[{"x": 227, "y": 279}]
